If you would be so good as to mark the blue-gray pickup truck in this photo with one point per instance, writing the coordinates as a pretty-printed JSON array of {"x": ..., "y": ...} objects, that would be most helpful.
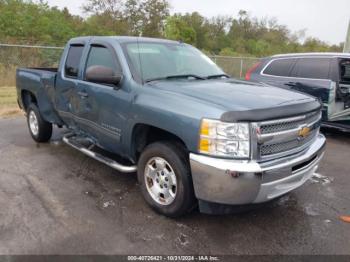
[{"x": 195, "y": 136}]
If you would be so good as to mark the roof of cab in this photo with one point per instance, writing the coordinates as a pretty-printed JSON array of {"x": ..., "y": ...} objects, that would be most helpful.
[
  {"x": 120, "y": 39},
  {"x": 346, "y": 55}
]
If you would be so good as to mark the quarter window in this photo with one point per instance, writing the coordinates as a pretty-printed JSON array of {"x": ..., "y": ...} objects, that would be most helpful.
[
  {"x": 317, "y": 68},
  {"x": 73, "y": 60},
  {"x": 101, "y": 56},
  {"x": 280, "y": 67}
]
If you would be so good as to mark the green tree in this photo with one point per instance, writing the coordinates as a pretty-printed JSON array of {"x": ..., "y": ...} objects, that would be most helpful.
[
  {"x": 216, "y": 28},
  {"x": 198, "y": 23},
  {"x": 155, "y": 13},
  {"x": 36, "y": 23},
  {"x": 106, "y": 16},
  {"x": 314, "y": 45},
  {"x": 134, "y": 16},
  {"x": 128, "y": 17},
  {"x": 177, "y": 29},
  {"x": 240, "y": 35},
  {"x": 228, "y": 51}
]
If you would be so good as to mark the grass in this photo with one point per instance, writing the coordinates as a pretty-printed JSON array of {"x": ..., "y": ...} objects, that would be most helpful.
[{"x": 8, "y": 102}]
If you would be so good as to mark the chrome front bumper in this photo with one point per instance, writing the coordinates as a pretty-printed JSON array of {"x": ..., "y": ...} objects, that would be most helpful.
[{"x": 236, "y": 182}]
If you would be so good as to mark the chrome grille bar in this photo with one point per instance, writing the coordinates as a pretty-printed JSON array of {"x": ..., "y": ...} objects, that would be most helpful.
[
  {"x": 279, "y": 125},
  {"x": 275, "y": 148},
  {"x": 282, "y": 136}
]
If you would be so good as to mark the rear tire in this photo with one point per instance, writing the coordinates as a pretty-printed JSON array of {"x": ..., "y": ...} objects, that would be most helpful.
[
  {"x": 165, "y": 179},
  {"x": 39, "y": 129}
]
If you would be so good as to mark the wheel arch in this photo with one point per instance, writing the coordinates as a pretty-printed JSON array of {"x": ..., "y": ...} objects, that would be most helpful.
[
  {"x": 42, "y": 101},
  {"x": 145, "y": 134},
  {"x": 27, "y": 98}
]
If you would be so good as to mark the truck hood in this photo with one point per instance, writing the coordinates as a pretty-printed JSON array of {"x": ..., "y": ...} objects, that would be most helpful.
[{"x": 240, "y": 96}]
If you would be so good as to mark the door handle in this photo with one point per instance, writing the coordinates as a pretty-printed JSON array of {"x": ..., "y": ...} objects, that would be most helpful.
[
  {"x": 83, "y": 94},
  {"x": 291, "y": 84}
]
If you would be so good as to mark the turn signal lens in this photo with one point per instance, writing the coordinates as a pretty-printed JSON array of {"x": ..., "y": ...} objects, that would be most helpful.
[{"x": 204, "y": 145}]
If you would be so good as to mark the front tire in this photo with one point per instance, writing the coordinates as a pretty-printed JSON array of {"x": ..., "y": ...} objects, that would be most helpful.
[
  {"x": 40, "y": 130},
  {"x": 165, "y": 179}
]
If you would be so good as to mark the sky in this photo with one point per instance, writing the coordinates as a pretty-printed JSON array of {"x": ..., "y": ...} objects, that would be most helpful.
[{"x": 325, "y": 19}]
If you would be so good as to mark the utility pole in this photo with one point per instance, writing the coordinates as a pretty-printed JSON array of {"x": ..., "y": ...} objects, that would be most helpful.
[{"x": 347, "y": 41}]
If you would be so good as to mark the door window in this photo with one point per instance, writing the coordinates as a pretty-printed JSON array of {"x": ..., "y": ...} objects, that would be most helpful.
[
  {"x": 101, "y": 56},
  {"x": 316, "y": 68},
  {"x": 71, "y": 68},
  {"x": 280, "y": 67},
  {"x": 345, "y": 71}
]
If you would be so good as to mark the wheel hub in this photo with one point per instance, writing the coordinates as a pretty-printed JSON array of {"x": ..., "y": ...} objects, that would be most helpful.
[
  {"x": 33, "y": 123},
  {"x": 160, "y": 181}
]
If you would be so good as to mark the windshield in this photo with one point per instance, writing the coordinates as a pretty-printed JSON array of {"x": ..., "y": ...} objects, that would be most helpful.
[{"x": 149, "y": 60}]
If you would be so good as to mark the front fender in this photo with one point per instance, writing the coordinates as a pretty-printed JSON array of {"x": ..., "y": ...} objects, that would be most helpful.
[{"x": 176, "y": 114}]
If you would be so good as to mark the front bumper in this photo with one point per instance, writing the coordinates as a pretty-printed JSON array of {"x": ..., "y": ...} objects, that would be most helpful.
[{"x": 235, "y": 182}]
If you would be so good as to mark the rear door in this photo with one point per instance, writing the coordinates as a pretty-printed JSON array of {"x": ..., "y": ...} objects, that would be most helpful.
[
  {"x": 67, "y": 98},
  {"x": 312, "y": 75}
]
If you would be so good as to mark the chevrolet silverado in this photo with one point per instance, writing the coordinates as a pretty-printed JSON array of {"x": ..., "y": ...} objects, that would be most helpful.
[{"x": 163, "y": 109}]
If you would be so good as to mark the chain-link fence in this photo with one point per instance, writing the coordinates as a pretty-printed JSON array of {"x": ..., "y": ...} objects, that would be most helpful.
[
  {"x": 13, "y": 56},
  {"x": 235, "y": 66}
]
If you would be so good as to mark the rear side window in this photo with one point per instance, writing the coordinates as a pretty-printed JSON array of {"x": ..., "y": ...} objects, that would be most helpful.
[
  {"x": 73, "y": 60},
  {"x": 317, "y": 68},
  {"x": 101, "y": 56},
  {"x": 280, "y": 67}
]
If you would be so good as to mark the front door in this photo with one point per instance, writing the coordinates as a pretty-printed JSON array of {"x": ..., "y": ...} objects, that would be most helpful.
[{"x": 104, "y": 107}]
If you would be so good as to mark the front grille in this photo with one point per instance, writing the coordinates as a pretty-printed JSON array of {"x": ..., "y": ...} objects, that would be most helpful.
[
  {"x": 271, "y": 149},
  {"x": 283, "y": 125},
  {"x": 281, "y": 136}
]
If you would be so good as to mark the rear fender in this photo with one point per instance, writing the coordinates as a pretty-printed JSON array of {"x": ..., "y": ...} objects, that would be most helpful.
[
  {"x": 45, "y": 97},
  {"x": 42, "y": 89}
]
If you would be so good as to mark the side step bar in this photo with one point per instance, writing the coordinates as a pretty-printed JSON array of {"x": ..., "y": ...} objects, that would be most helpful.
[{"x": 99, "y": 157}]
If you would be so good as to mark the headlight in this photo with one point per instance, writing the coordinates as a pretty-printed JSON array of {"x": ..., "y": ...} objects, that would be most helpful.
[{"x": 224, "y": 139}]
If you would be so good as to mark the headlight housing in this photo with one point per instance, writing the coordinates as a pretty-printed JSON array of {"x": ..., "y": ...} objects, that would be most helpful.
[{"x": 224, "y": 139}]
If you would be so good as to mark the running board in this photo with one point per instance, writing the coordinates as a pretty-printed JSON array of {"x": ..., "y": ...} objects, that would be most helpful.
[{"x": 69, "y": 140}]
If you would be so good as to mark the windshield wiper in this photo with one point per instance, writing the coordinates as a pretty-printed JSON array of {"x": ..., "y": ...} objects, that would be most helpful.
[
  {"x": 174, "y": 77},
  {"x": 217, "y": 76}
]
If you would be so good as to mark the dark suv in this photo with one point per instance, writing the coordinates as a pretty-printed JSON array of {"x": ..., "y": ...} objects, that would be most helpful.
[{"x": 323, "y": 75}]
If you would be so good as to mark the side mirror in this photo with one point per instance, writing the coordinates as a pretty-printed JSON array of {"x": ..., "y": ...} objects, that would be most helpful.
[{"x": 102, "y": 75}]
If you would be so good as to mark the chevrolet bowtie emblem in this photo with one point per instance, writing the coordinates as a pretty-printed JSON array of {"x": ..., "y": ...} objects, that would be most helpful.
[{"x": 304, "y": 132}]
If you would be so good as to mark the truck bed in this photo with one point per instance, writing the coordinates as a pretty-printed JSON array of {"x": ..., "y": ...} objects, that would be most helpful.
[
  {"x": 40, "y": 82},
  {"x": 25, "y": 74}
]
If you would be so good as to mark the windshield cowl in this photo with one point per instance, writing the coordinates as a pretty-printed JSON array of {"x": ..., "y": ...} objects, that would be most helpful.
[{"x": 188, "y": 77}]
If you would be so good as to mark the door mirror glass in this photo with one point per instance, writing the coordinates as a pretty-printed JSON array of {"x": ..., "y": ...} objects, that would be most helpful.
[{"x": 102, "y": 75}]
